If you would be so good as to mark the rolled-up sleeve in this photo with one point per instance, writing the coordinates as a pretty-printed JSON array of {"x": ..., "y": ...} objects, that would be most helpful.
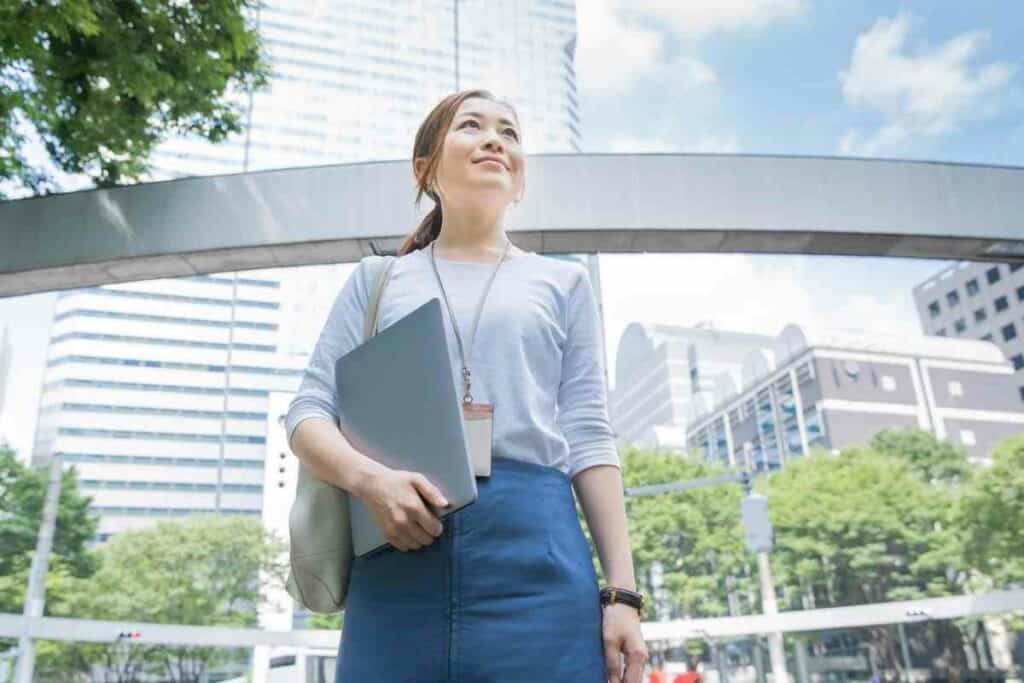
[
  {"x": 343, "y": 331},
  {"x": 582, "y": 393}
]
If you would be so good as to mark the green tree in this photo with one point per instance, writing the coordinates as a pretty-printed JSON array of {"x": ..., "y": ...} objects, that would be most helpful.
[
  {"x": 696, "y": 536},
  {"x": 22, "y": 492},
  {"x": 102, "y": 82},
  {"x": 865, "y": 527},
  {"x": 991, "y": 518},
  {"x": 204, "y": 571},
  {"x": 935, "y": 461}
]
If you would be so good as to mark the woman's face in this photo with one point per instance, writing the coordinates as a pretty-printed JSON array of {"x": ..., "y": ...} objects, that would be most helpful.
[{"x": 482, "y": 129}]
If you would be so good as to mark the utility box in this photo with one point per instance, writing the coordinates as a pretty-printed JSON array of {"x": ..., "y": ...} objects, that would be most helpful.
[{"x": 754, "y": 511}]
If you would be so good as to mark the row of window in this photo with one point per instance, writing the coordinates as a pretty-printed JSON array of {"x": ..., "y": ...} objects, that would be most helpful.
[
  {"x": 167, "y": 486},
  {"x": 95, "y": 336},
  {"x": 172, "y": 365},
  {"x": 205, "y": 322},
  {"x": 154, "y": 296},
  {"x": 142, "y": 386},
  {"x": 250, "y": 463},
  {"x": 145, "y": 410},
  {"x": 272, "y": 284},
  {"x": 158, "y": 436},
  {"x": 1008, "y": 331},
  {"x": 972, "y": 287}
]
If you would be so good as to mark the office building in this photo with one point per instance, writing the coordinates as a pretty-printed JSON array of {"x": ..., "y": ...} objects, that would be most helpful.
[
  {"x": 352, "y": 80},
  {"x": 836, "y": 389},
  {"x": 663, "y": 373},
  {"x": 157, "y": 392},
  {"x": 978, "y": 300}
]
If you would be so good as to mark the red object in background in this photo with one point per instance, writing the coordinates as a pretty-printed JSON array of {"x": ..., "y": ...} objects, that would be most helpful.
[
  {"x": 657, "y": 676},
  {"x": 688, "y": 677}
]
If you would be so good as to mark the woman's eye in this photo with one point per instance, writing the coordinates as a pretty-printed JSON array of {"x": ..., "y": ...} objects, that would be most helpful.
[{"x": 513, "y": 132}]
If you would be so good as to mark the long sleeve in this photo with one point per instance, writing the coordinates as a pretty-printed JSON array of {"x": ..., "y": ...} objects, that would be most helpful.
[
  {"x": 343, "y": 331},
  {"x": 582, "y": 394}
]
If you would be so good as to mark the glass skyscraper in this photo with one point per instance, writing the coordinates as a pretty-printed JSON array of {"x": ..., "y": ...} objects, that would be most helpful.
[{"x": 352, "y": 80}]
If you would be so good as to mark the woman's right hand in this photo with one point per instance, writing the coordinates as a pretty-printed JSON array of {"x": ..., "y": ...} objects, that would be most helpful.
[{"x": 396, "y": 499}]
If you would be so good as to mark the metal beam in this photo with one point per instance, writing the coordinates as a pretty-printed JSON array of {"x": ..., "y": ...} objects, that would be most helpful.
[
  {"x": 584, "y": 203},
  {"x": 910, "y": 611}
]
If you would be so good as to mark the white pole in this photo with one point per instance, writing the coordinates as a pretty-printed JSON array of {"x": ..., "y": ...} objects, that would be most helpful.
[
  {"x": 769, "y": 607},
  {"x": 35, "y": 596}
]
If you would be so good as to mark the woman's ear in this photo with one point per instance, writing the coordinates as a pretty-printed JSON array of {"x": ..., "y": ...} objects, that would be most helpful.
[{"x": 418, "y": 167}]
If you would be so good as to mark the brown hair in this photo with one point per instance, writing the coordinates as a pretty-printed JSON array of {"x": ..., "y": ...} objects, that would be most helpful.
[{"x": 429, "y": 143}]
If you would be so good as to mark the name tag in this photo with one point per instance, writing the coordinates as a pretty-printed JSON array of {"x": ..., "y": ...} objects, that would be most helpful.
[{"x": 478, "y": 419}]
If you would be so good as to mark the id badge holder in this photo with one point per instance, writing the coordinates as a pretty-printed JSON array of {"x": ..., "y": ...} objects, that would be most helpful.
[{"x": 478, "y": 419}]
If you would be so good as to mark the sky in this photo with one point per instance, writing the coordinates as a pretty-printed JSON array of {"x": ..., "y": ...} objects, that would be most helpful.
[{"x": 937, "y": 79}]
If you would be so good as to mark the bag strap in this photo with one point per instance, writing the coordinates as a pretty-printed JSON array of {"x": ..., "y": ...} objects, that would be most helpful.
[{"x": 381, "y": 266}]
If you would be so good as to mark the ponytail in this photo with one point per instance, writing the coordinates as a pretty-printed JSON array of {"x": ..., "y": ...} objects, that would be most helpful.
[{"x": 425, "y": 233}]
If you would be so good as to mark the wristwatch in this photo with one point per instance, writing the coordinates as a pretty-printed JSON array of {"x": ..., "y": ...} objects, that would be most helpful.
[{"x": 610, "y": 595}]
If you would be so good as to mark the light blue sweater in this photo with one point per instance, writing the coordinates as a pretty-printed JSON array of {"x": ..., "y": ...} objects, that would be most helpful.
[{"x": 537, "y": 355}]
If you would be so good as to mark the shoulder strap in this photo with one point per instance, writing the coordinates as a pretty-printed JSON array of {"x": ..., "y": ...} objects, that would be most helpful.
[{"x": 379, "y": 269}]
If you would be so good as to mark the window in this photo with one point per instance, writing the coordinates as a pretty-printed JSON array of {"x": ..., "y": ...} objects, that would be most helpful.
[
  {"x": 933, "y": 307},
  {"x": 941, "y": 332},
  {"x": 1009, "y": 332},
  {"x": 956, "y": 389},
  {"x": 1020, "y": 390},
  {"x": 1001, "y": 304},
  {"x": 987, "y": 337},
  {"x": 980, "y": 315},
  {"x": 992, "y": 274},
  {"x": 888, "y": 383},
  {"x": 972, "y": 287},
  {"x": 1014, "y": 267},
  {"x": 1018, "y": 361},
  {"x": 952, "y": 298},
  {"x": 1020, "y": 293},
  {"x": 967, "y": 437},
  {"x": 960, "y": 325}
]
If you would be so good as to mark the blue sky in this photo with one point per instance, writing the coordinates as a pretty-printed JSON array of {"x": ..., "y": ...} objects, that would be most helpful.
[
  {"x": 923, "y": 80},
  {"x": 799, "y": 76}
]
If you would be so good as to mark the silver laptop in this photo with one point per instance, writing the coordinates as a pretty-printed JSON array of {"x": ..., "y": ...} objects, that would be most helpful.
[{"x": 399, "y": 406}]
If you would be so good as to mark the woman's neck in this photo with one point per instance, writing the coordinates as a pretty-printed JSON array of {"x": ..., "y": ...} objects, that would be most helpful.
[{"x": 474, "y": 235}]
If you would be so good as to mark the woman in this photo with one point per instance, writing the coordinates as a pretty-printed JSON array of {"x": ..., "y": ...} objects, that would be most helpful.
[{"x": 504, "y": 589}]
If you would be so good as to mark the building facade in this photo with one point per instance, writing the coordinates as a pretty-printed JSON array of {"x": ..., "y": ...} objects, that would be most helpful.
[
  {"x": 971, "y": 300},
  {"x": 352, "y": 80},
  {"x": 837, "y": 389},
  {"x": 157, "y": 392},
  {"x": 664, "y": 373},
  {"x": 5, "y": 365}
]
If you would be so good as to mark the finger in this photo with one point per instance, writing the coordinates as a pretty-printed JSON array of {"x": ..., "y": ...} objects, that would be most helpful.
[
  {"x": 612, "y": 665},
  {"x": 414, "y": 535},
  {"x": 430, "y": 523},
  {"x": 430, "y": 492}
]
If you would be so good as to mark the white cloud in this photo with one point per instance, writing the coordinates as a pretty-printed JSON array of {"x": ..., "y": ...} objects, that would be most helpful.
[
  {"x": 610, "y": 55},
  {"x": 925, "y": 92},
  {"x": 616, "y": 45},
  {"x": 697, "y": 18}
]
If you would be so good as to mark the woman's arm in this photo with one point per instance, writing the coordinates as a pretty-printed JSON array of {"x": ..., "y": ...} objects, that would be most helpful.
[{"x": 600, "y": 492}]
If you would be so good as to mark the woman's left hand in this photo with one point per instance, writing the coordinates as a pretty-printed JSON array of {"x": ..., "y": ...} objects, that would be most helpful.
[{"x": 621, "y": 632}]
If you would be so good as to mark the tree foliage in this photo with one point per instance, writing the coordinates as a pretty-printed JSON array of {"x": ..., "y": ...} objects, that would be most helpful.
[
  {"x": 102, "y": 82},
  {"x": 203, "y": 571}
]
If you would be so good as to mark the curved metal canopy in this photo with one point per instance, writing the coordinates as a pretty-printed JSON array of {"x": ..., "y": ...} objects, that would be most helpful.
[{"x": 580, "y": 203}]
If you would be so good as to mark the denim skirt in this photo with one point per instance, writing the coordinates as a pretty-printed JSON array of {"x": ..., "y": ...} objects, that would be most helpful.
[{"x": 507, "y": 593}]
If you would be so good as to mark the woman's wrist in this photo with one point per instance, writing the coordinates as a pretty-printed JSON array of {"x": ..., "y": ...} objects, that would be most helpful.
[{"x": 614, "y": 595}]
